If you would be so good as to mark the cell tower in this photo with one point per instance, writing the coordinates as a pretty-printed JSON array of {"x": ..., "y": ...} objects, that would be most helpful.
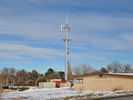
[{"x": 66, "y": 28}]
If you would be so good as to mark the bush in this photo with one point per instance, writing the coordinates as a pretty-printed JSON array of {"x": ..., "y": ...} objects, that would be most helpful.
[
  {"x": 13, "y": 88},
  {"x": 41, "y": 80},
  {"x": 23, "y": 88},
  {"x": 20, "y": 88}
]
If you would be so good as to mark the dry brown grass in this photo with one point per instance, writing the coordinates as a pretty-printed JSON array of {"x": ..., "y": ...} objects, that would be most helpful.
[
  {"x": 117, "y": 88},
  {"x": 123, "y": 92},
  {"x": 1, "y": 89},
  {"x": 80, "y": 89},
  {"x": 100, "y": 94},
  {"x": 21, "y": 98}
]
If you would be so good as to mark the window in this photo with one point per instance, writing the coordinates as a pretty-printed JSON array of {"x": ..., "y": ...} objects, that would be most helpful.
[{"x": 79, "y": 81}]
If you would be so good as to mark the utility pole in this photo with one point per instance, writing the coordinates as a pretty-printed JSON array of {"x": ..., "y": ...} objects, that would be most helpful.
[{"x": 66, "y": 28}]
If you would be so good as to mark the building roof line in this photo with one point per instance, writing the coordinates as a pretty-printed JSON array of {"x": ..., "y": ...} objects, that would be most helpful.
[{"x": 110, "y": 74}]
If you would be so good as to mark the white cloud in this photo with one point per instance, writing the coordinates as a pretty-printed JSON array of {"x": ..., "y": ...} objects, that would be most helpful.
[
  {"x": 128, "y": 37},
  {"x": 49, "y": 32},
  {"x": 87, "y": 56},
  {"x": 44, "y": 28},
  {"x": 23, "y": 52},
  {"x": 87, "y": 3},
  {"x": 16, "y": 51},
  {"x": 116, "y": 42},
  {"x": 98, "y": 22}
]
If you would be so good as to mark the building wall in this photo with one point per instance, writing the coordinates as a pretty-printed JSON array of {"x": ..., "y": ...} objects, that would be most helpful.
[
  {"x": 67, "y": 84},
  {"x": 47, "y": 85},
  {"x": 104, "y": 83},
  {"x": 52, "y": 80}
]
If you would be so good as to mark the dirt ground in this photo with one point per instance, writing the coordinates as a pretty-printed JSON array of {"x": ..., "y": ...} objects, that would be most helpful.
[{"x": 6, "y": 90}]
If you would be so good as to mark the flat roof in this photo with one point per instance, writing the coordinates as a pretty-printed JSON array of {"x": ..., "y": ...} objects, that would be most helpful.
[
  {"x": 112, "y": 74},
  {"x": 131, "y": 74}
]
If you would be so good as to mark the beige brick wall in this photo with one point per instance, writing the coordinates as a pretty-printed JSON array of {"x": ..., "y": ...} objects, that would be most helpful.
[{"x": 105, "y": 83}]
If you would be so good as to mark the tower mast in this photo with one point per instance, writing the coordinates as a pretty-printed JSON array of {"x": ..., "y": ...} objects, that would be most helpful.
[{"x": 66, "y": 28}]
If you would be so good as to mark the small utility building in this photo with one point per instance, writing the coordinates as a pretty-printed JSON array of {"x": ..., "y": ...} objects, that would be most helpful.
[
  {"x": 104, "y": 82},
  {"x": 47, "y": 85}
]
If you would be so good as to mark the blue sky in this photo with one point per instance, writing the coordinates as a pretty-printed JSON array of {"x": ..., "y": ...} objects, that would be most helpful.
[{"x": 30, "y": 35}]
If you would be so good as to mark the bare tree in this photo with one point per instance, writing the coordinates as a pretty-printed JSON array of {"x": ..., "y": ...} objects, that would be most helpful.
[
  {"x": 21, "y": 77},
  {"x": 5, "y": 74},
  {"x": 12, "y": 74},
  {"x": 8, "y": 75},
  {"x": 86, "y": 69},
  {"x": 82, "y": 69},
  {"x": 5, "y": 71},
  {"x": 115, "y": 67},
  {"x": 12, "y": 71},
  {"x": 127, "y": 68},
  {"x": 1, "y": 78},
  {"x": 76, "y": 70}
]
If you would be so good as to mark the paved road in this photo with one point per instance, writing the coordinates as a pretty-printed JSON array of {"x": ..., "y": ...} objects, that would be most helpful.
[{"x": 119, "y": 98}]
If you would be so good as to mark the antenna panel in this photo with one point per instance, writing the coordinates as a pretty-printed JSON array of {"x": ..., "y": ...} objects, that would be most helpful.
[
  {"x": 69, "y": 27},
  {"x": 62, "y": 27}
]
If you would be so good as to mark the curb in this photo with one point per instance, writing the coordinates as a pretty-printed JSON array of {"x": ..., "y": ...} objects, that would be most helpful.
[{"x": 111, "y": 97}]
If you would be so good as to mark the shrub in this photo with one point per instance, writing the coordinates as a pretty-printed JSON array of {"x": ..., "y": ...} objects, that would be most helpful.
[
  {"x": 23, "y": 88},
  {"x": 41, "y": 80}
]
